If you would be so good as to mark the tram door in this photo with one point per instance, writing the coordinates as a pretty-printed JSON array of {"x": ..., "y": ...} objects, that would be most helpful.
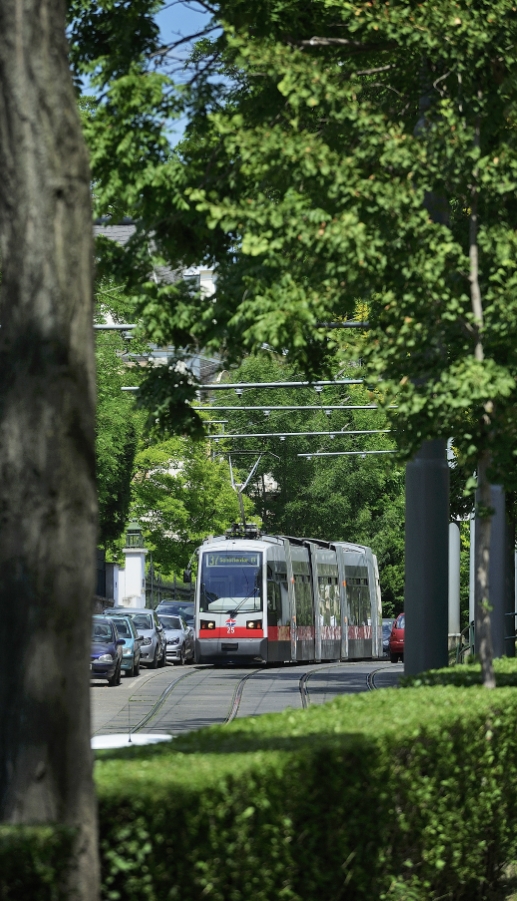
[
  {"x": 304, "y": 603},
  {"x": 343, "y": 601},
  {"x": 358, "y": 593},
  {"x": 278, "y": 607},
  {"x": 375, "y": 603},
  {"x": 327, "y": 604}
]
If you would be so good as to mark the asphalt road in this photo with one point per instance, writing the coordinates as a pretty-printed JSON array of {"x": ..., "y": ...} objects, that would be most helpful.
[{"x": 180, "y": 699}]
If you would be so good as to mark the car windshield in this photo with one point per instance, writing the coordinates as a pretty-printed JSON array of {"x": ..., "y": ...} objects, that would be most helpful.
[
  {"x": 102, "y": 632},
  {"x": 123, "y": 628},
  {"x": 170, "y": 622},
  {"x": 169, "y": 608},
  {"x": 231, "y": 582},
  {"x": 401, "y": 622},
  {"x": 142, "y": 620}
]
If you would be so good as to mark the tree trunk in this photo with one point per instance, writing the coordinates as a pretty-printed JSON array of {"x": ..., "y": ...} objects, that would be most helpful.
[
  {"x": 483, "y": 638},
  {"x": 482, "y": 587},
  {"x": 47, "y": 460}
]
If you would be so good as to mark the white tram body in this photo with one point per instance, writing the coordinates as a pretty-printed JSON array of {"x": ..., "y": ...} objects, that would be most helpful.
[{"x": 275, "y": 599}]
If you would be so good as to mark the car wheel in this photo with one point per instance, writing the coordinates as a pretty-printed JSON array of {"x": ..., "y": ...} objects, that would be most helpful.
[
  {"x": 131, "y": 672},
  {"x": 163, "y": 659},
  {"x": 115, "y": 678},
  {"x": 182, "y": 657},
  {"x": 137, "y": 667},
  {"x": 394, "y": 658},
  {"x": 154, "y": 664}
]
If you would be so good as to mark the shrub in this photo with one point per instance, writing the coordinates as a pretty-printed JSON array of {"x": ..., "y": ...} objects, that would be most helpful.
[
  {"x": 464, "y": 675},
  {"x": 396, "y": 795},
  {"x": 33, "y": 862}
]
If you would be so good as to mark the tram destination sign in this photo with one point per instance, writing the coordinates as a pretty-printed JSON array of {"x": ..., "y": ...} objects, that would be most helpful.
[{"x": 229, "y": 559}]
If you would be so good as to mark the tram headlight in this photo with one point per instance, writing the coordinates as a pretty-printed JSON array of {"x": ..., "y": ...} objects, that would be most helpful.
[
  {"x": 207, "y": 624},
  {"x": 254, "y": 624}
]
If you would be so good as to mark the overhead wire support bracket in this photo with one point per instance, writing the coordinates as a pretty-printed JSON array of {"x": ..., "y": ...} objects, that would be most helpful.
[
  {"x": 349, "y": 324},
  {"x": 114, "y": 327}
]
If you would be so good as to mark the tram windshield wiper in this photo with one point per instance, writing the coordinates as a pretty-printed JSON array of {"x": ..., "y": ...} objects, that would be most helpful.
[{"x": 236, "y": 609}]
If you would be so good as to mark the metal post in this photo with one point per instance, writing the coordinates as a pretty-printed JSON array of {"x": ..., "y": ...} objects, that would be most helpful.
[
  {"x": 427, "y": 559},
  {"x": 497, "y": 570},
  {"x": 454, "y": 582},
  {"x": 509, "y": 643},
  {"x": 472, "y": 569}
]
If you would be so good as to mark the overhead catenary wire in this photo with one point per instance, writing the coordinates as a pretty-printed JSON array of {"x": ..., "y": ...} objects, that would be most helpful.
[
  {"x": 242, "y": 386},
  {"x": 360, "y": 453},
  {"x": 335, "y": 434},
  {"x": 267, "y": 407},
  {"x": 349, "y": 324}
]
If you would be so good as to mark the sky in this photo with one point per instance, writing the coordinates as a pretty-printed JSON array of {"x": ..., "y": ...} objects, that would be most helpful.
[{"x": 180, "y": 18}]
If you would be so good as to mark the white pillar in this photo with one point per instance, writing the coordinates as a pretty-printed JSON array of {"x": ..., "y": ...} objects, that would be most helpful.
[
  {"x": 454, "y": 579},
  {"x": 134, "y": 577}
]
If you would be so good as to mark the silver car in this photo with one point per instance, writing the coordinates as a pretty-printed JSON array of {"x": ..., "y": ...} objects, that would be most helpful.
[
  {"x": 180, "y": 639},
  {"x": 147, "y": 624}
]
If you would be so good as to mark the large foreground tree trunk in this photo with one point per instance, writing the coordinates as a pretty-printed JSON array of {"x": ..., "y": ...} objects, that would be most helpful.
[{"x": 47, "y": 398}]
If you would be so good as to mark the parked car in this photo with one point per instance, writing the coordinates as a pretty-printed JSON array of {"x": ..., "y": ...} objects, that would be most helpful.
[
  {"x": 396, "y": 644},
  {"x": 106, "y": 650},
  {"x": 180, "y": 639},
  {"x": 152, "y": 651},
  {"x": 387, "y": 625},
  {"x": 131, "y": 649},
  {"x": 185, "y": 609}
]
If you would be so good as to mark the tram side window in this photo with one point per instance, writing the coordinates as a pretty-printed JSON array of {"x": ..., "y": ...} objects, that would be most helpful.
[
  {"x": 328, "y": 590},
  {"x": 353, "y": 604},
  {"x": 274, "y": 604},
  {"x": 365, "y": 602},
  {"x": 303, "y": 594},
  {"x": 336, "y": 605}
]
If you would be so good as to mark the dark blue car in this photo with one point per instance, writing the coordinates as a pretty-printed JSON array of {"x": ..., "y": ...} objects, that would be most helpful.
[{"x": 106, "y": 652}]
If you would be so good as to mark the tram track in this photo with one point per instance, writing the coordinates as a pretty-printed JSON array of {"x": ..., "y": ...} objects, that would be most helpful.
[
  {"x": 159, "y": 702},
  {"x": 228, "y": 710},
  {"x": 370, "y": 677},
  {"x": 304, "y": 679},
  {"x": 237, "y": 696}
]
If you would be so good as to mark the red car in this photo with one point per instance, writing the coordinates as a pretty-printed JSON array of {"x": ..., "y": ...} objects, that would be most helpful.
[{"x": 396, "y": 644}]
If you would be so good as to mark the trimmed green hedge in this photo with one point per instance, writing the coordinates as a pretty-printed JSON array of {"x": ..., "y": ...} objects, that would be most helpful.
[
  {"x": 403, "y": 795},
  {"x": 34, "y": 861},
  {"x": 465, "y": 674}
]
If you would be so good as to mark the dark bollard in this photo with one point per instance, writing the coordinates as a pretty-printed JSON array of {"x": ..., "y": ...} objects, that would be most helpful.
[
  {"x": 427, "y": 559},
  {"x": 501, "y": 576}
]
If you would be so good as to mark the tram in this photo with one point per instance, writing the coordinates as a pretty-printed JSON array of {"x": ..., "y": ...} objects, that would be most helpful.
[{"x": 277, "y": 599}]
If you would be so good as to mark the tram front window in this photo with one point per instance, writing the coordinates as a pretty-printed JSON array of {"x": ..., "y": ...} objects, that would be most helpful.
[{"x": 231, "y": 582}]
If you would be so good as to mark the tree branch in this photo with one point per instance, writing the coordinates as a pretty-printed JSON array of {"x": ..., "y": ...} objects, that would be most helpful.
[{"x": 162, "y": 51}]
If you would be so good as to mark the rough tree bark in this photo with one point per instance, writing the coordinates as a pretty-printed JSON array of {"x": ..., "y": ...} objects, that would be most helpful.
[
  {"x": 483, "y": 519},
  {"x": 47, "y": 400}
]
